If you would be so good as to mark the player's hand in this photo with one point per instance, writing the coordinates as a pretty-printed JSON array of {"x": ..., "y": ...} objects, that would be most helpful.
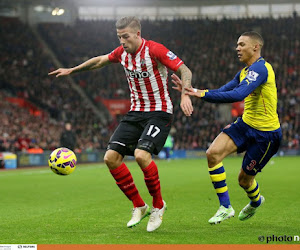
[
  {"x": 186, "y": 105},
  {"x": 177, "y": 82},
  {"x": 195, "y": 92},
  {"x": 61, "y": 72}
]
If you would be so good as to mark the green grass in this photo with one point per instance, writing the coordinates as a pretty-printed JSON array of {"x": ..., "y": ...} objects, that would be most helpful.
[{"x": 87, "y": 207}]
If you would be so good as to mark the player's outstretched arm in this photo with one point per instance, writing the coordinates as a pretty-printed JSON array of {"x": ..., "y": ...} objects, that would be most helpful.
[
  {"x": 186, "y": 79},
  {"x": 61, "y": 72},
  {"x": 93, "y": 63},
  {"x": 188, "y": 90},
  {"x": 195, "y": 92}
]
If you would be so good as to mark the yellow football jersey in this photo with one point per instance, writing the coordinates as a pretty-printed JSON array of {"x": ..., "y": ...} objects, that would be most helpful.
[{"x": 260, "y": 110}]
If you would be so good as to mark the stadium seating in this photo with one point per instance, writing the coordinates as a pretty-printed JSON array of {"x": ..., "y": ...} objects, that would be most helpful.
[
  {"x": 24, "y": 74},
  {"x": 206, "y": 46}
]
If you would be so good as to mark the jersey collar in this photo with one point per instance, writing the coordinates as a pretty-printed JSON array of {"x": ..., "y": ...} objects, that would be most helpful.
[
  {"x": 140, "y": 48},
  {"x": 261, "y": 58}
]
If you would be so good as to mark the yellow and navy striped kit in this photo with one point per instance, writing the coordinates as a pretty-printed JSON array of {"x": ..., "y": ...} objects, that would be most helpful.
[
  {"x": 260, "y": 110},
  {"x": 256, "y": 85}
]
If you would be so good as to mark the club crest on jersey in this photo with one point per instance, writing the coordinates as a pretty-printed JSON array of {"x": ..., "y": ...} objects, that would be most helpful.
[
  {"x": 252, "y": 76},
  {"x": 171, "y": 55},
  {"x": 143, "y": 62},
  {"x": 137, "y": 74}
]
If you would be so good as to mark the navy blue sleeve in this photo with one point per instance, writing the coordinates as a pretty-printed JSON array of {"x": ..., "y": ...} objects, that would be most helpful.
[
  {"x": 230, "y": 85},
  {"x": 257, "y": 75}
]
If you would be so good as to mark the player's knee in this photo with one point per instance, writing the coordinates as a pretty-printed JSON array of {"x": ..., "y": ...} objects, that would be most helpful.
[
  {"x": 108, "y": 159},
  {"x": 139, "y": 155},
  {"x": 142, "y": 157},
  {"x": 112, "y": 159},
  {"x": 212, "y": 157}
]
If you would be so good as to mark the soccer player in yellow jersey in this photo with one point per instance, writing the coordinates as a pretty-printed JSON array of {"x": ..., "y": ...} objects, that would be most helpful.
[{"x": 257, "y": 132}]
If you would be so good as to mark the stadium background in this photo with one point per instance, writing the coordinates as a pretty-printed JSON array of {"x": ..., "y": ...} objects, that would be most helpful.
[
  {"x": 39, "y": 207},
  {"x": 38, "y": 36}
]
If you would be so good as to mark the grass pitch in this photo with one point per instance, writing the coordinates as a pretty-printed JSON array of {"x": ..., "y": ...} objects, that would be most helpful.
[{"x": 39, "y": 207}]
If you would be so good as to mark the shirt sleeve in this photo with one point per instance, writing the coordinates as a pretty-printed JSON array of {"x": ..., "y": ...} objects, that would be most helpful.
[
  {"x": 256, "y": 76},
  {"x": 115, "y": 55},
  {"x": 165, "y": 56}
]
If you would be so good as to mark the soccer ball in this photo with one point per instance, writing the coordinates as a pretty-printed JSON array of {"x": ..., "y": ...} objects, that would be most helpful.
[{"x": 62, "y": 161}]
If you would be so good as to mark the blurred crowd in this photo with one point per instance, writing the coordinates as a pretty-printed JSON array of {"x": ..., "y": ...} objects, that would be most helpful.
[
  {"x": 206, "y": 46},
  {"x": 24, "y": 74}
]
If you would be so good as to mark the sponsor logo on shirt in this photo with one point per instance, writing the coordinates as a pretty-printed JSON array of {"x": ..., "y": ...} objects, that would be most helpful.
[
  {"x": 171, "y": 55},
  {"x": 252, "y": 76},
  {"x": 137, "y": 74}
]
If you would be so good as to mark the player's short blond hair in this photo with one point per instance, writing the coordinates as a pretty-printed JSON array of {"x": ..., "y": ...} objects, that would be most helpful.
[
  {"x": 256, "y": 36},
  {"x": 129, "y": 21}
]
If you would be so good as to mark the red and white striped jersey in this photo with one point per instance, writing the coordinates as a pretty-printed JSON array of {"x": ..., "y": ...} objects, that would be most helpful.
[{"x": 147, "y": 75}]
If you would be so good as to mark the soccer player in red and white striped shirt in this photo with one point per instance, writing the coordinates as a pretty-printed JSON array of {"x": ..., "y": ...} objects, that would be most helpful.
[{"x": 143, "y": 131}]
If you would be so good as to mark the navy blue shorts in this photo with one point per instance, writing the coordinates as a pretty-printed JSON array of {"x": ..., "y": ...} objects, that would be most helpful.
[{"x": 260, "y": 146}]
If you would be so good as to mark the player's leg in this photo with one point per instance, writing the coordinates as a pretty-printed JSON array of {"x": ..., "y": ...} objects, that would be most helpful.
[
  {"x": 222, "y": 146},
  {"x": 250, "y": 185},
  {"x": 234, "y": 138},
  {"x": 149, "y": 168},
  {"x": 258, "y": 154},
  {"x": 156, "y": 130},
  {"x": 114, "y": 160},
  {"x": 151, "y": 177}
]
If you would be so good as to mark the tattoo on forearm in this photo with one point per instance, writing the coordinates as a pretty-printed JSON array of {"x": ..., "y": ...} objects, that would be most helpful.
[{"x": 186, "y": 77}]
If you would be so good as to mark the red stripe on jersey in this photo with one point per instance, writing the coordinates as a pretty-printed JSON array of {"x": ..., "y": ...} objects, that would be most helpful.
[
  {"x": 133, "y": 100},
  {"x": 146, "y": 72},
  {"x": 160, "y": 85},
  {"x": 138, "y": 87},
  {"x": 148, "y": 83}
]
